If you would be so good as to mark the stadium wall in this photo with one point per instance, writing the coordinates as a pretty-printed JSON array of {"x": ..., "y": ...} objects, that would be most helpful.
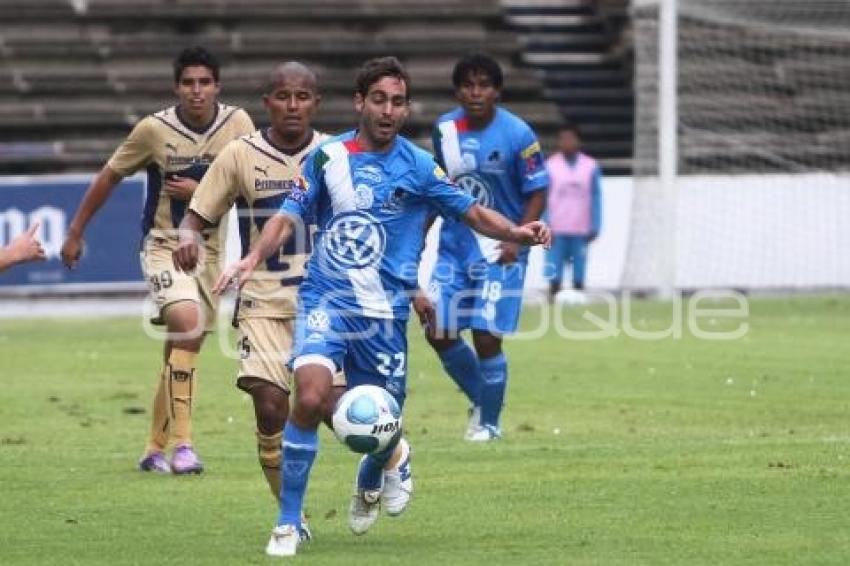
[{"x": 754, "y": 232}]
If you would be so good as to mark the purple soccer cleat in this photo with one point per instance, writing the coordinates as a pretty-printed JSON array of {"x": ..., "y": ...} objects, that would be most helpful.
[
  {"x": 154, "y": 462},
  {"x": 185, "y": 461}
]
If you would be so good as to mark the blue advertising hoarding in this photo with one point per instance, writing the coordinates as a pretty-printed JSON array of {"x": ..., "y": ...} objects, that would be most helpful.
[{"x": 111, "y": 257}]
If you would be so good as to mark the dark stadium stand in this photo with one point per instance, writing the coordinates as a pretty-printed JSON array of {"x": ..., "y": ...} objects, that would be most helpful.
[
  {"x": 585, "y": 63},
  {"x": 76, "y": 74}
]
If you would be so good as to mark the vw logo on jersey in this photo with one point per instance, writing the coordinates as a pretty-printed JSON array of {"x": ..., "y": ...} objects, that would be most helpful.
[
  {"x": 354, "y": 240},
  {"x": 318, "y": 320},
  {"x": 475, "y": 187}
]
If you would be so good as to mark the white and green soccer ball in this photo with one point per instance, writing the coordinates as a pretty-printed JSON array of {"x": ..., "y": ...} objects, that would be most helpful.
[{"x": 367, "y": 419}]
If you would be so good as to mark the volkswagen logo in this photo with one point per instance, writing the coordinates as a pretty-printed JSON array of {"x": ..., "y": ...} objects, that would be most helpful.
[
  {"x": 318, "y": 320},
  {"x": 354, "y": 240},
  {"x": 476, "y": 188}
]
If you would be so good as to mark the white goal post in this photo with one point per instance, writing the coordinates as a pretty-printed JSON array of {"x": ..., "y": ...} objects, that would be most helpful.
[{"x": 742, "y": 130}]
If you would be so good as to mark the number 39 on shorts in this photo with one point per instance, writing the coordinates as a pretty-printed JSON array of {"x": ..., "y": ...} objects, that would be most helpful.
[{"x": 163, "y": 281}]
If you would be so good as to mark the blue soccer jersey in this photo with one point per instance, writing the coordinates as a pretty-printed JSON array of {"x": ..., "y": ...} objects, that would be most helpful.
[
  {"x": 371, "y": 209},
  {"x": 499, "y": 166}
]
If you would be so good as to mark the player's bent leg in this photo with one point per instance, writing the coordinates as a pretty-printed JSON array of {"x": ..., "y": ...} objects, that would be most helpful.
[
  {"x": 382, "y": 479},
  {"x": 313, "y": 375},
  {"x": 369, "y": 487}
]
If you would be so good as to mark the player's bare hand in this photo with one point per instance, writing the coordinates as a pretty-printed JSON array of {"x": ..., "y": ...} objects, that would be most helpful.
[
  {"x": 188, "y": 251},
  {"x": 424, "y": 309},
  {"x": 535, "y": 233},
  {"x": 509, "y": 253},
  {"x": 180, "y": 188},
  {"x": 235, "y": 275},
  {"x": 26, "y": 247},
  {"x": 72, "y": 249}
]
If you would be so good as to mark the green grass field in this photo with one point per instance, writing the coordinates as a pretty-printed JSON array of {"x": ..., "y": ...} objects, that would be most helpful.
[{"x": 617, "y": 451}]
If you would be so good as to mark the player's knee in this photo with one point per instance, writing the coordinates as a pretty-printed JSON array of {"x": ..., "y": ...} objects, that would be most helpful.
[
  {"x": 441, "y": 343},
  {"x": 313, "y": 384},
  {"x": 271, "y": 403},
  {"x": 309, "y": 406},
  {"x": 487, "y": 345},
  {"x": 271, "y": 415},
  {"x": 184, "y": 322}
]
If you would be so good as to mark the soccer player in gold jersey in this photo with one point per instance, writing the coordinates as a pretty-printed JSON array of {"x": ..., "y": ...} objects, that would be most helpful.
[
  {"x": 175, "y": 146},
  {"x": 257, "y": 172}
]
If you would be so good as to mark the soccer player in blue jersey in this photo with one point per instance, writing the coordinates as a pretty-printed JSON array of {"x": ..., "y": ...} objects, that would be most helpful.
[
  {"x": 371, "y": 192},
  {"x": 477, "y": 281}
]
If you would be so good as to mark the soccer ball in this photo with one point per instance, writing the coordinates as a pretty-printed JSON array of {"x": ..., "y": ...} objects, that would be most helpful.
[{"x": 367, "y": 419}]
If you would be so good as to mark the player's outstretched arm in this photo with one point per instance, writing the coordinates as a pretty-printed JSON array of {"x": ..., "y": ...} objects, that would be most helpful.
[
  {"x": 22, "y": 249},
  {"x": 492, "y": 224},
  {"x": 188, "y": 250},
  {"x": 97, "y": 193},
  {"x": 278, "y": 229}
]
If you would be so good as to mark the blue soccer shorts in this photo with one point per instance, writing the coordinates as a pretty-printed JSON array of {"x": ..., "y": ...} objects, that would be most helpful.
[
  {"x": 371, "y": 351},
  {"x": 484, "y": 296}
]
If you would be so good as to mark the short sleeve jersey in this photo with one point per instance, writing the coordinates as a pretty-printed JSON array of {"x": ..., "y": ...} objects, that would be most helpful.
[
  {"x": 164, "y": 145},
  {"x": 257, "y": 176},
  {"x": 499, "y": 166},
  {"x": 371, "y": 209}
]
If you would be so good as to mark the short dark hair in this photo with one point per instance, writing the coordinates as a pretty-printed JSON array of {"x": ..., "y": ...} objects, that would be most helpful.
[
  {"x": 570, "y": 126},
  {"x": 477, "y": 63},
  {"x": 192, "y": 56},
  {"x": 375, "y": 69}
]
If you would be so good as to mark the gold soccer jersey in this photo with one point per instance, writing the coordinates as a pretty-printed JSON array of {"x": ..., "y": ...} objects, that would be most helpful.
[
  {"x": 257, "y": 176},
  {"x": 164, "y": 145}
]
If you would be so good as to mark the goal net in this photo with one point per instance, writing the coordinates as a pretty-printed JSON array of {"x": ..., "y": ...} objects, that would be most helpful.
[{"x": 761, "y": 191}]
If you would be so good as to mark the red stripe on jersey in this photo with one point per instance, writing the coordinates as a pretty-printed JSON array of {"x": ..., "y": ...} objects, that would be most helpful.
[
  {"x": 353, "y": 146},
  {"x": 462, "y": 125}
]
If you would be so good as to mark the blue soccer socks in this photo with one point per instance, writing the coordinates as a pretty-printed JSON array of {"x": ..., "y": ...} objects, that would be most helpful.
[
  {"x": 299, "y": 451},
  {"x": 461, "y": 363},
  {"x": 494, "y": 372}
]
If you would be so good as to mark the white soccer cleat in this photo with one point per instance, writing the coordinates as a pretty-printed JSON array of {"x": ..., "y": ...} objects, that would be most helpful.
[
  {"x": 363, "y": 511},
  {"x": 474, "y": 421},
  {"x": 365, "y": 504},
  {"x": 284, "y": 541},
  {"x": 571, "y": 297},
  {"x": 398, "y": 483},
  {"x": 484, "y": 433}
]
